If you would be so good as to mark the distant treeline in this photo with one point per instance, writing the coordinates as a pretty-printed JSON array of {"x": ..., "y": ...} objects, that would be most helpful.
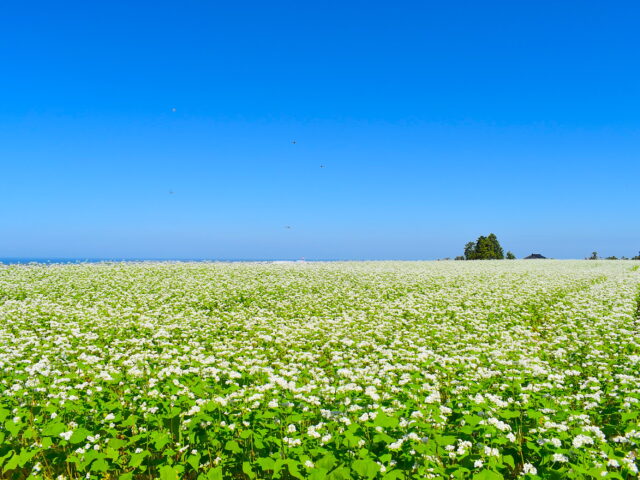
[
  {"x": 489, "y": 248},
  {"x": 594, "y": 256}
]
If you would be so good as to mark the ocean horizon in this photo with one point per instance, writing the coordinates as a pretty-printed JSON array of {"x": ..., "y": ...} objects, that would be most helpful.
[{"x": 54, "y": 260}]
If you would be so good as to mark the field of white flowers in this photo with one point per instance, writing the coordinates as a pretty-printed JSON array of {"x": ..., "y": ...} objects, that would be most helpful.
[{"x": 387, "y": 370}]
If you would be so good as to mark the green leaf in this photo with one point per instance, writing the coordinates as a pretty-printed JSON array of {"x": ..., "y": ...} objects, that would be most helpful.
[
  {"x": 246, "y": 469},
  {"x": 54, "y": 429},
  {"x": 233, "y": 446},
  {"x": 194, "y": 461},
  {"x": 394, "y": 475},
  {"x": 472, "y": 420},
  {"x": 293, "y": 469},
  {"x": 384, "y": 420},
  {"x": 100, "y": 465},
  {"x": 27, "y": 455},
  {"x": 509, "y": 414},
  {"x": 137, "y": 458},
  {"x": 508, "y": 459},
  {"x": 444, "y": 440},
  {"x": 168, "y": 473},
  {"x": 626, "y": 416},
  {"x": 12, "y": 463},
  {"x": 340, "y": 473},
  {"x": 215, "y": 474},
  {"x": 116, "y": 443},
  {"x": 487, "y": 475},
  {"x": 327, "y": 462},
  {"x": 366, "y": 468},
  {"x": 79, "y": 435},
  {"x": 161, "y": 440},
  {"x": 13, "y": 428},
  {"x": 318, "y": 473},
  {"x": 266, "y": 463},
  {"x": 46, "y": 442}
]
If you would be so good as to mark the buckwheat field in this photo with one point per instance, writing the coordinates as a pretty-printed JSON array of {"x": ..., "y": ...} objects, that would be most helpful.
[{"x": 363, "y": 370}]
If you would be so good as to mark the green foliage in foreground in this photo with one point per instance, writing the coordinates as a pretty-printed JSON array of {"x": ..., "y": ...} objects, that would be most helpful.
[{"x": 388, "y": 370}]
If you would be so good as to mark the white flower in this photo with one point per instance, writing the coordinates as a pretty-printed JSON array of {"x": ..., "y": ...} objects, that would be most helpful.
[
  {"x": 109, "y": 417},
  {"x": 527, "y": 468},
  {"x": 581, "y": 440},
  {"x": 491, "y": 452},
  {"x": 308, "y": 464},
  {"x": 397, "y": 445},
  {"x": 193, "y": 410},
  {"x": 66, "y": 435},
  {"x": 560, "y": 458},
  {"x": 478, "y": 464}
]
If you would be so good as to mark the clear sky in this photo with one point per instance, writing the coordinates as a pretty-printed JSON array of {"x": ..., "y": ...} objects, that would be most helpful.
[{"x": 435, "y": 122}]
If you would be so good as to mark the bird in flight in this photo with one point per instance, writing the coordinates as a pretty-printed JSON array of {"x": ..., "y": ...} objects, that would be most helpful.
[
  {"x": 171, "y": 192},
  {"x": 321, "y": 166},
  {"x": 294, "y": 142},
  {"x": 288, "y": 227}
]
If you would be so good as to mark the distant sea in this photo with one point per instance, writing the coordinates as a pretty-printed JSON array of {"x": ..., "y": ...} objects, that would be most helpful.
[{"x": 27, "y": 260}]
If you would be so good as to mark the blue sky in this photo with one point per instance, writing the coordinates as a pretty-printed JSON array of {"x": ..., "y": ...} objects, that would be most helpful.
[{"x": 436, "y": 122}]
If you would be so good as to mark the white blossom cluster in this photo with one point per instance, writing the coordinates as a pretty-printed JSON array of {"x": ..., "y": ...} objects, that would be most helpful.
[{"x": 520, "y": 366}]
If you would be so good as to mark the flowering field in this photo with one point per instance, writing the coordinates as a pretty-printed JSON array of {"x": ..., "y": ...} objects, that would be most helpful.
[{"x": 388, "y": 370}]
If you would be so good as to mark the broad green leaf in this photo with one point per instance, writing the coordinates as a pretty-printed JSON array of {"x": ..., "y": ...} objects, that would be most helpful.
[
  {"x": 246, "y": 469},
  {"x": 384, "y": 420},
  {"x": 233, "y": 446},
  {"x": 366, "y": 468},
  {"x": 487, "y": 475},
  {"x": 508, "y": 459},
  {"x": 318, "y": 473},
  {"x": 215, "y": 474},
  {"x": 194, "y": 461},
  {"x": 167, "y": 472},
  {"x": 137, "y": 458},
  {"x": 79, "y": 435}
]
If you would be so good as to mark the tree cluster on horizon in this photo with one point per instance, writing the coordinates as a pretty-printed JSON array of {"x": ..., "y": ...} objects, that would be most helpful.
[
  {"x": 594, "y": 256},
  {"x": 486, "y": 248}
]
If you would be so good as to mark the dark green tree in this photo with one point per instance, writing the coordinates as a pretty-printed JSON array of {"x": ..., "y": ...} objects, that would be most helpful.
[
  {"x": 496, "y": 248},
  {"x": 470, "y": 251},
  {"x": 594, "y": 256},
  {"x": 510, "y": 256},
  {"x": 484, "y": 248}
]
